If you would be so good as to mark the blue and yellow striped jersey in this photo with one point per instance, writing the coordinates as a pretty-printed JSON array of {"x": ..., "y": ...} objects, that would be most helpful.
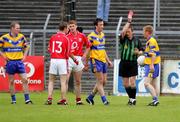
[
  {"x": 13, "y": 47},
  {"x": 98, "y": 46},
  {"x": 152, "y": 49}
]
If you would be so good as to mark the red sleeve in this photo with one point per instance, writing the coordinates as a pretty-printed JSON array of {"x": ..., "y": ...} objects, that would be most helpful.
[
  {"x": 50, "y": 44},
  {"x": 68, "y": 48}
]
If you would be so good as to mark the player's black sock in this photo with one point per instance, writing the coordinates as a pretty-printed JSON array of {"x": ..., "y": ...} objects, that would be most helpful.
[
  {"x": 133, "y": 92},
  {"x": 128, "y": 91}
]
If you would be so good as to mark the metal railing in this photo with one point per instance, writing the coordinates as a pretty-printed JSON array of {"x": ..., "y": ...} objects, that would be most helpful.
[
  {"x": 70, "y": 9},
  {"x": 158, "y": 12},
  {"x": 44, "y": 44},
  {"x": 31, "y": 43},
  {"x": 156, "y": 18},
  {"x": 117, "y": 37},
  {"x": 44, "y": 33}
]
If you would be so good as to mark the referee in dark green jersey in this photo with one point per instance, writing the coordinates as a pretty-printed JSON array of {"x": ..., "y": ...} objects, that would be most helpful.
[{"x": 128, "y": 68}]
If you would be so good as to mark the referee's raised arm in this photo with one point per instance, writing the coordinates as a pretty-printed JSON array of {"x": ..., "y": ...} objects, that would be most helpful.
[{"x": 126, "y": 26}]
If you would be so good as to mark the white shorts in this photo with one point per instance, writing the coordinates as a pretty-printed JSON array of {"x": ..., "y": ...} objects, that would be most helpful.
[
  {"x": 58, "y": 66},
  {"x": 73, "y": 66}
]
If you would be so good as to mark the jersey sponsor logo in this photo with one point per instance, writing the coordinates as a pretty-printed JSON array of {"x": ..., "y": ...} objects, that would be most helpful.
[
  {"x": 74, "y": 45},
  {"x": 125, "y": 46}
]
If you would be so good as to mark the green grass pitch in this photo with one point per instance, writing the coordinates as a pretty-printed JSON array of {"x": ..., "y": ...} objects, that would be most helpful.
[{"x": 117, "y": 111}]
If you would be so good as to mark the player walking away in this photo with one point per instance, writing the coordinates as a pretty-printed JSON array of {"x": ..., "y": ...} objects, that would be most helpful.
[
  {"x": 99, "y": 60},
  {"x": 78, "y": 41},
  {"x": 128, "y": 67},
  {"x": 152, "y": 60},
  {"x": 14, "y": 51},
  {"x": 59, "y": 47}
]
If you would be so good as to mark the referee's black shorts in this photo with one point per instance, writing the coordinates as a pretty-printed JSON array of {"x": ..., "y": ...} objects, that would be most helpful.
[{"x": 128, "y": 68}]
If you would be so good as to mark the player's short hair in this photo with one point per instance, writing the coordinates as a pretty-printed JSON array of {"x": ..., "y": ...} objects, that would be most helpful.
[
  {"x": 97, "y": 20},
  {"x": 13, "y": 23},
  {"x": 73, "y": 22},
  {"x": 148, "y": 28},
  {"x": 62, "y": 26}
]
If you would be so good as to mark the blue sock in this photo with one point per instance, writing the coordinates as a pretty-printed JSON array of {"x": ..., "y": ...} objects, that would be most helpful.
[
  {"x": 26, "y": 97},
  {"x": 13, "y": 97},
  {"x": 91, "y": 96},
  {"x": 155, "y": 98},
  {"x": 103, "y": 98}
]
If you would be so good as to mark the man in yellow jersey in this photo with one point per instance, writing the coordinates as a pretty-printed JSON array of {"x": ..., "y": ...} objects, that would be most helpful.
[
  {"x": 14, "y": 51},
  {"x": 99, "y": 61},
  {"x": 152, "y": 60}
]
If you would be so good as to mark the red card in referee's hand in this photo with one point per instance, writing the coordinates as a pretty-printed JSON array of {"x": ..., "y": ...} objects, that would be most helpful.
[{"x": 130, "y": 14}]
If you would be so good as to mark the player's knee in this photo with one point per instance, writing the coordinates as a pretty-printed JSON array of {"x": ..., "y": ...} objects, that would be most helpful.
[
  {"x": 11, "y": 82},
  {"x": 101, "y": 82},
  {"x": 126, "y": 84},
  {"x": 24, "y": 80},
  {"x": 104, "y": 83},
  {"x": 133, "y": 84},
  {"x": 78, "y": 83},
  {"x": 146, "y": 84}
]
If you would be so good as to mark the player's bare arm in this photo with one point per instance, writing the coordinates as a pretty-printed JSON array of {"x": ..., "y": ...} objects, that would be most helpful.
[
  {"x": 25, "y": 53},
  {"x": 109, "y": 61}
]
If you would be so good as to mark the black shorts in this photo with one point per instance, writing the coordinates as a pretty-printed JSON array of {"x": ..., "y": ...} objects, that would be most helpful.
[{"x": 128, "y": 68}]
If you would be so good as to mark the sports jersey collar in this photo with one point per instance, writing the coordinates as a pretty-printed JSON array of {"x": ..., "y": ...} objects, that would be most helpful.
[
  {"x": 96, "y": 32},
  {"x": 130, "y": 39},
  {"x": 149, "y": 38},
  {"x": 59, "y": 32},
  {"x": 75, "y": 34},
  {"x": 12, "y": 35}
]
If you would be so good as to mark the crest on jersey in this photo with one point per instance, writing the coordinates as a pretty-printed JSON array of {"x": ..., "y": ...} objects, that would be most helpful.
[{"x": 80, "y": 39}]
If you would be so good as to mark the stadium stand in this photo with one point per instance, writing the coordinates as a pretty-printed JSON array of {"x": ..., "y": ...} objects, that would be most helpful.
[{"x": 32, "y": 16}]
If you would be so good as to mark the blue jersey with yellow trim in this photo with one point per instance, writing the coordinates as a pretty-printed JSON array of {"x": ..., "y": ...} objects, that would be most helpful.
[
  {"x": 152, "y": 49},
  {"x": 97, "y": 50},
  {"x": 13, "y": 47}
]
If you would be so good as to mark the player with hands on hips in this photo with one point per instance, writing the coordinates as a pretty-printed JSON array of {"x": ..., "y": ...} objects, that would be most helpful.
[{"x": 78, "y": 41}]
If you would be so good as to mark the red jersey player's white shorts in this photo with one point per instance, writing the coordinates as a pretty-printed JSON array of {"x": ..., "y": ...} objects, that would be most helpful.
[
  {"x": 73, "y": 66},
  {"x": 58, "y": 66}
]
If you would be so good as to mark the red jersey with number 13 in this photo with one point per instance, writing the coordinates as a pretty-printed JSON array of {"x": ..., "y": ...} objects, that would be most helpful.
[
  {"x": 77, "y": 42},
  {"x": 59, "y": 46}
]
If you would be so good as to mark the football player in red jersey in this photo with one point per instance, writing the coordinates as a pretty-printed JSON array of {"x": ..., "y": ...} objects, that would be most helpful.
[
  {"x": 59, "y": 47},
  {"x": 78, "y": 40}
]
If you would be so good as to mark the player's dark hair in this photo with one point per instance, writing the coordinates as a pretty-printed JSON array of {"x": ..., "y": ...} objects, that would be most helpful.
[
  {"x": 62, "y": 26},
  {"x": 97, "y": 20},
  {"x": 13, "y": 23},
  {"x": 80, "y": 29}
]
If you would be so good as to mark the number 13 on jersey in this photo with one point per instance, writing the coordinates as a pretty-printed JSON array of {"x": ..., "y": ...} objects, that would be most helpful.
[{"x": 56, "y": 46}]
